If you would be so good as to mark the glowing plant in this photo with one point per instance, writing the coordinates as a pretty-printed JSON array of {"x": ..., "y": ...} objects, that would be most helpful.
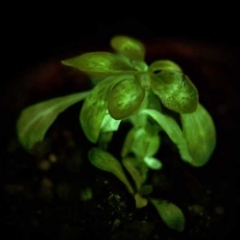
[{"x": 127, "y": 89}]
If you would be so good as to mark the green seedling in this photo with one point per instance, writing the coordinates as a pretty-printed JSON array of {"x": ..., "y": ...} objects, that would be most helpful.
[{"x": 125, "y": 89}]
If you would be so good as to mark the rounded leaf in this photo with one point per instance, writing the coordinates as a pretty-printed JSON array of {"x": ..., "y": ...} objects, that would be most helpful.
[
  {"x": 171, "y": 214},
  {"x": 200, "y": 134},
  {"x": 93, "y": 115},
  {"x": 128, "y": 47},
  {"x": 175, "y": 91},
  {"x": 160, "y": 65},
  {"x": 125, "y": 98},
  {"x": 153, "y": 163},
  {"x": 99, "y": 64}
]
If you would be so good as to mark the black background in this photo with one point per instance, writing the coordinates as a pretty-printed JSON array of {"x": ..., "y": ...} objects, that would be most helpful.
[{"x": 34, "y": 33}]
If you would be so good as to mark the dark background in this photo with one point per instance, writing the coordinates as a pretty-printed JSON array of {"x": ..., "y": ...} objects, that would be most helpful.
[{"x": 35, "y": 33}]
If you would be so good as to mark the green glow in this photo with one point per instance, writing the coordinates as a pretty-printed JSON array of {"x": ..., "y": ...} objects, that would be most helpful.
[
  {"x": 153, "y": 163},
  {"x": 139, "y": 66},
  {"x": 109, "y": 124},
  {"x": 106, "y": 162},
  {"x": 125, "y": 98},
  {"x": 197, "y": 140},
  {"x": 126, "y": 89},
  {"x": 94, "y": 110},
  {"x": 129, "y": 47},
  {"x": 175, "y": 90},
  {"x": 200, "y": 134},
  {"x": 170, "y": 214},
  {"x": 144, "y": 80},
  {"x": 131, "y": 165},
  {"x": 144, "y": 143},
  {"x": 35, "y": 120},
  {"x": 99, "y": 63},
  {"x": 161, "y": 65},
  {"x": 140, "y": 201},
  {"x": 170, "y": 126}
]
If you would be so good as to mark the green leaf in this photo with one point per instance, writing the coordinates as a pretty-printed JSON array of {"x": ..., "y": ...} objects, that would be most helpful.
[
  {"x": 125, "y": 98},
  {"x": 163, "y": 65},
  {"x": 146, "y": 190},
  {"x": 200, "y": 134},
  {"x": 129, "y": 47},
  {"x": 142, "y": 141},
  {"x": 106, "y": 162},
  {"x": 94, "y": 113},
  {"x": 170, "y": 126},
  {"x": 140, "y": 201},
  {"x": 171, "y": 215},
  {"x": 109, "y": 124},
  {"x": 175, "y": 91},
  {"x": 126, "y": 149},
  {"x": 153, "y": 163},
  {"x": 145, "y": 144},
  {"x": 131, "y": 165},
  {"x": 99, "y": 64},
  {"x": 35, "y": 120}
]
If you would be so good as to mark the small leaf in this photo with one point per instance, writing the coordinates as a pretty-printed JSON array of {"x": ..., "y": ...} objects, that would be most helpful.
[
  {"x": 130, "y": 165},
  {"x": 126, "y": 149},
  {"x": 163, "y": 65},
  {"x": 171, "y": 215},
  {"x": 35, "y": 120},
  {"x": 175, "y": 91},
  {"x": 170, "y": 126},
  {"x": 106, "y": 162},
  {"x": 145, "y": 144},
  {"x": 129, "y": 47},
  {"x": 125, "y": 98},
  {"x": 99, "y": 64},
  {"x": 146, "y": 190},
  {"x": 140, "y": 201},
  {"x": 94, "y": 109},
  {"x": 200, "y": 134},
  {"x": 153, "y": 163}
]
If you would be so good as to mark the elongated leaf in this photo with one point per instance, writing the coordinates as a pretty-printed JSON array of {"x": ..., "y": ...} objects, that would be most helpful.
[
  {"x": 163, "y": 65},
  {"x": 145, "y": 144},
  {"x": 94, "y": 109},
  {"x": 99, "y": 63},
  {"x": 125, "y": 98},
  {"x": 106, "y": 162},
  {"x": 35, "y": 120},
  {"x": 200, "y": 134},
  {"x": 171, "y": 214},
  {"x": 129, "y": 47},
  {"x": 131, "y": 165},
  {"x": 175, "y": 91},
  {"x": 126, "y": 149},
  {"x": 170, "y": 126}
]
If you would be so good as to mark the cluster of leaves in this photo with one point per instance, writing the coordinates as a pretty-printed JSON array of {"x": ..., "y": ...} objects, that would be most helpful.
[{"x": 127, "y": 89}]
